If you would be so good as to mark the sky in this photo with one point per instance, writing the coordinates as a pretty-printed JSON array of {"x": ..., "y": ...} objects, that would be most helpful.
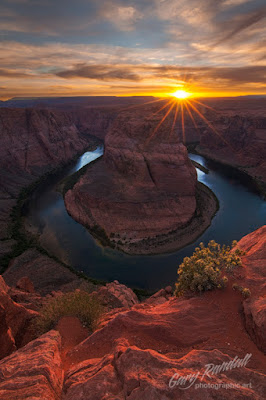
[{"x": 141, "y": 47}]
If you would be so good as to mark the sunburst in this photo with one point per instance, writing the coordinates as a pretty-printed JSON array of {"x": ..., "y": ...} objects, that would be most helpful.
[{"x": 181, "y": 94}]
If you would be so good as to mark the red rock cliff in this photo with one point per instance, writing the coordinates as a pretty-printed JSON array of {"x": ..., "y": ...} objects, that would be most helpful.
[{"x": 145, "y": 185}]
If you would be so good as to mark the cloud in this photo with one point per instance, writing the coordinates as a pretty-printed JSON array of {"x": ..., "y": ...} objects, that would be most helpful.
[
  {"x": 123, "y": 18},
  {"x": 142, "y": 43},
  {"x": 177, "y": 74},
  {"x": 6, "y": 73},
  {"x": 99, "y": 72},
  {"x": 242, "y": 23}
]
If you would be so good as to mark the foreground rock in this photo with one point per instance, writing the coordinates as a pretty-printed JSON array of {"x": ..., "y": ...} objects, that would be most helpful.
[
  {"x": 15, "y": 322},
  {"x": 142, "y": 197},
  {"x": 254, "y": 271},
  {"x": 129, "y": 372},
  {"x": 115, "y": 295},
  {"x": 163, "y": 348},
  {"x": 253, "y": 277},
  {"x": 33, "y": 372}
]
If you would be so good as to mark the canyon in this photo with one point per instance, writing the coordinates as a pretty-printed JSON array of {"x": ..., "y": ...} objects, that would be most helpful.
[
  {"x": 143, "y": 194},
  {"x": 37, "y": 141},
  {"x": 141, "y": 342}
]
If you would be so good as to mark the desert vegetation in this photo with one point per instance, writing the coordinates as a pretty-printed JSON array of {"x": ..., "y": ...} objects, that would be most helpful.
[
  {"x": 78, "y": 304},
  {"x": 244, "y": 291},
  {"x": 206, "y": 269}
]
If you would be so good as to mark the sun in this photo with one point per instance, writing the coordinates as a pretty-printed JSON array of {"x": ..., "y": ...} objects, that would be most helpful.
[{"x": 181, "y": 94}]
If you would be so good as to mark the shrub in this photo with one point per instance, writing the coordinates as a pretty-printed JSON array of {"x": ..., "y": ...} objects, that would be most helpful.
[
  {"x": 77, "y": 304},
  {"x": 244, "y": 291},
  {"x": 235, "y": 286},
  {"x": 204, "y": 269}
]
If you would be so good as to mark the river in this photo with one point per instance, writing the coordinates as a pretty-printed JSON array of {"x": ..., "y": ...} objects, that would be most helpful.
[{"x": 241, "y": 211}]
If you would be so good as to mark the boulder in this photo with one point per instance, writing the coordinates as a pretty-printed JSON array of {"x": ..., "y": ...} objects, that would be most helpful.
[
  {"x": 25, "y": 284},
  {"x": 115, "y": 295},
  {"x": 161, "y": 296},
  {"x": 33, "y": 372}
]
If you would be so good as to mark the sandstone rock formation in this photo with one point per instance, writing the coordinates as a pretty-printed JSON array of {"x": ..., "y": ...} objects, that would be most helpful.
[
  {"x": 253, "y": 277},
  {"x": 115, "y": 295},
  {"x": 15, "y": 321},
  {"x": 33, "y": 372},
  {"x": 129, "y": 372},
  {"x": 255, "y": 319},
  {"x": 143, "y": 189},
  {"x": 149, "y": 350}
]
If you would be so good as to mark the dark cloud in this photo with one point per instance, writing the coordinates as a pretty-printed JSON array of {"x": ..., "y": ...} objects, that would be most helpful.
[
  {"x": 237, "y": 25},
  {"x": 234, "y": 76},
  {"x": 100, "y": 72}
]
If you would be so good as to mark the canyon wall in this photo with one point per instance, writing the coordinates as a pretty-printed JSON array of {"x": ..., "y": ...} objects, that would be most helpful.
[
  {"x": 35, "y": 141},
  {"x": 236, "y": 134}
]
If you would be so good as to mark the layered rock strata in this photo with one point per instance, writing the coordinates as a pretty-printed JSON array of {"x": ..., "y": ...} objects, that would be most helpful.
[{"x": 143, "y": 195}]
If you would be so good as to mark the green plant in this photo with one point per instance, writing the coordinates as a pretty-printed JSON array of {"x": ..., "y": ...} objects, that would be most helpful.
[
  {"x": 78, "y": 304},
  {"x": 205, "y": 269}
]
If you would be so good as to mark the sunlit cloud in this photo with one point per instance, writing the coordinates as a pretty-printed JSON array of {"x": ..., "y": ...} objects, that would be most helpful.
[{"x": 142, "y": 46}]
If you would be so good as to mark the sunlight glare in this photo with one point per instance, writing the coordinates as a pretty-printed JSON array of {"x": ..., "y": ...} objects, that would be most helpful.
[{"x": 181, "y": 94}]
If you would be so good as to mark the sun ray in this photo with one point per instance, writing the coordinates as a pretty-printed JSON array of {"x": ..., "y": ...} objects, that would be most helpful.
[
  {"x": 174, "y": 121},
  {"x": 143, "y": 104},
  {"x": 160, "y": 123},
  {"x": 163, "y": 107},
  {"x": 209, "y": 124},
  {"x": 191, "y": 116},
  {"x": 205, "y": 105},
  {"x": 183, "y": 123}
]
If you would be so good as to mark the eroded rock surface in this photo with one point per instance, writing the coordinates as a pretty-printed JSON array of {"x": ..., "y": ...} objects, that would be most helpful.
[
  {"x": 15, "y": 322},
  {"x": 255, "y": 319},
  {"x": 129, "y": 372},
  {"x": 33, "y": 372},
  {"x": 115, "y": 295}
]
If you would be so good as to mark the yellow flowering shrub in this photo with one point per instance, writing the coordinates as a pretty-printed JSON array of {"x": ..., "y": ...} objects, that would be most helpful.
[{"x": 205, "y": 269}]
